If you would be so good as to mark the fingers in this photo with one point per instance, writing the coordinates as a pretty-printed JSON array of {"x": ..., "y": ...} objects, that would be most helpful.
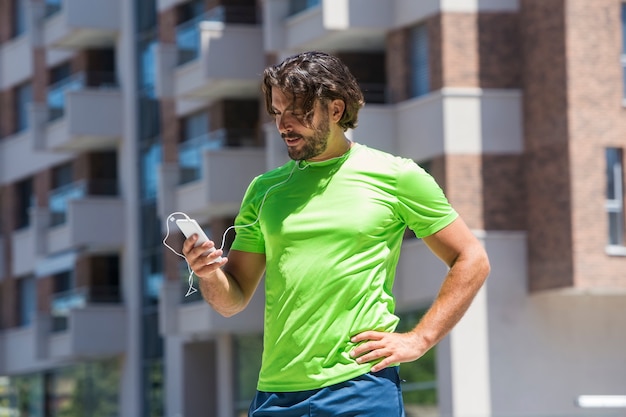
[
  {"x": 386, "y": 348},
  {"x": 199, "y": 257},
  {"x": 374, "y": 348}
]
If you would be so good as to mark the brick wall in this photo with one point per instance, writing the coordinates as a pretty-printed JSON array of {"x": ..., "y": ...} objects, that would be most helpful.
[
  {"x": 6, "y": 21},
  {"x": 597, "y": 119},
  {"x": 7, "y": 114},
  {"x": 475, "y": 50},
  {"x": 546, "y": 133}
]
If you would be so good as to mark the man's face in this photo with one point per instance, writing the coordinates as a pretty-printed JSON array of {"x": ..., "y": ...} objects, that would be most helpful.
[{"x": 303, "y": 142}]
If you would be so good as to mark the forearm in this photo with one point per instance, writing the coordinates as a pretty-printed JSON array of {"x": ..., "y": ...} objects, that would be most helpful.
[
  {"x": 460, "y": 286},
  {"x": 222, "y": 292}
]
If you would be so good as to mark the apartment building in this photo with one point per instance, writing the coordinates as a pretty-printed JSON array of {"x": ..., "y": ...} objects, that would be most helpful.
[{"x": 115, "y": 114}]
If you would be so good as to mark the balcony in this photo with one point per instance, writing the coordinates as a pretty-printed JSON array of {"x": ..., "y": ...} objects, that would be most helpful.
[
  {"x": 459, "y": 121},
  {"x": 16, "y": 61},
  {"x": 71, "y": 105},
  {"x": 190, "y": 151},
  {"x": 80, "y": 340},
  {"x": 210, "y": 69},
  {"x": 18, "y": 350},
  {"x": 81, "y": 23},
  {"x": 27, "y": 349},
  {"x": 24, "y": 251},
  {"x": 84, "y": 214},
  {"x": 198, "y": 318},
  {"x": 376, "y": 128},
  {"x": 63, "y": 304},
  {"x": 222, "y": 179},
  {"x": 338, "y": 25}
]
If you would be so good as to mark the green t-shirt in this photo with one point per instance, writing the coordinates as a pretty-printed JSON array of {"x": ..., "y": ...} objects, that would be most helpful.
[{"x": 332, "y": 232}]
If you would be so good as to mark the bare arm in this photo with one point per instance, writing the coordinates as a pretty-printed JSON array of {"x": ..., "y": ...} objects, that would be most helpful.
[
  {"x": 469, "y": 266},
  {"x": 229, "y": 289}
]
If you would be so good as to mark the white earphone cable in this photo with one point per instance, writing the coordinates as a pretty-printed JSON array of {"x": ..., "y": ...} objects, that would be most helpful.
[{"x": 171, "y": 218}]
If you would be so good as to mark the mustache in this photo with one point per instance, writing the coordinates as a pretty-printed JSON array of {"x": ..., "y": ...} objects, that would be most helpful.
[{"x": 290, "y": 135}]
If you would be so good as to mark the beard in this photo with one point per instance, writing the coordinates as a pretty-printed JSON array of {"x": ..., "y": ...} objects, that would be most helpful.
[{"x": 313, "y": 145}]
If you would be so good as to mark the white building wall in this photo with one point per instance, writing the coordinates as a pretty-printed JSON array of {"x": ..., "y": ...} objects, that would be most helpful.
[
  {"x": 516, "y": 353},
  {"x": 130, "y": 385}
]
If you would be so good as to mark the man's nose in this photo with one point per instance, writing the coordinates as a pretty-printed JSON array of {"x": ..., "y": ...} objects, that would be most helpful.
[{"x": 284, "y": 123}]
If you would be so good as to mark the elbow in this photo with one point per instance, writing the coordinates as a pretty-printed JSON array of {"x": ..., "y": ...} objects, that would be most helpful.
[
  {"x": 229, "y": 311},
  {"x": 484, "y": 266}
]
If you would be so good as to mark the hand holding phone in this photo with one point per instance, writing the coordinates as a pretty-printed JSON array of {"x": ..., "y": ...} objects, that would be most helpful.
[{"x": 189, "y": 227}]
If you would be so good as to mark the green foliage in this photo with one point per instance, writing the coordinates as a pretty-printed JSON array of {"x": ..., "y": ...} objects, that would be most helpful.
[{"x": 420, "y": 386}]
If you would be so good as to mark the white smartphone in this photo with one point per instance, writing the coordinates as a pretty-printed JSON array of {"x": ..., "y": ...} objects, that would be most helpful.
[{"x": 189, "y": 227}]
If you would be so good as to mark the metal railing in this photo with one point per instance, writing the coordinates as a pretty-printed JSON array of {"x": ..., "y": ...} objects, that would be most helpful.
[
  {"x": 64, "y": 302},
  {"x": 188, "y": 33},
  {"x": 375, "y": 93},
  {"x": 190, "y": 151},
  {"x": 297, "y": 6},
  {"x": 190, "y": 154},
  {"x": 52, "y": 7},
  {"x": 57, "y": 91},
  {"x": 59, "y": 198},
  {"x": 75, "y": 82}
]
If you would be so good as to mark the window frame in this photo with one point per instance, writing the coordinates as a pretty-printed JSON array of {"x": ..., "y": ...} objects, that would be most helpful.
[
  {"x": 419, "y": 58},
  {"x": 614, "y": 203}
]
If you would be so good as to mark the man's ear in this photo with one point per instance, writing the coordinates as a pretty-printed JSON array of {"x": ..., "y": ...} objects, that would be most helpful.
[{"x": 337, "y": 107}]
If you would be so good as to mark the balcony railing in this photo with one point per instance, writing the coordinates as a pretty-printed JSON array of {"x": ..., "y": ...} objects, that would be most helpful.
[
  {"x": 375, "y": 93},
  {"x": 77, "y": 81},
  {"x": 60, "y": 197},
  {"x": 190, "y": 154},
  {"x": 64, "y": 302},
  {"x": 52, "y": 7},
  {"x": 297, "y": 6},
  {"x": 190, "y": 151},
  {"x": 188, "y": 33}
]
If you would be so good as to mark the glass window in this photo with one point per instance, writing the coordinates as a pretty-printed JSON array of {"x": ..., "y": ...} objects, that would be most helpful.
[
  {"x": 25, "y": 200},
  {"x": 194, "y": 125},
  {"x": 61, "y": 82},
  {"x": 19, "y": 18},
  {"x": 147, "y": 73},
  {"x": 615, "y": 195},
  {"x": 420, "y": 72},
  {"x": 23, "y": 97},
  {"x": 297, "y": 6},
  {"x": 52, "y": 7},
  {"x": 419, "y": 387},
  {"x": 64, "y": 189},
  {"x": 187, "y": 31},
  {"x": 64, "y": 299},
  {"x": 150, "y": 161},
  {"x": 152, "y": 271},
  {"x": 27, "y": 297},
  {"x": 623, "y": 57},
  {"x": 195, "y": 138}
]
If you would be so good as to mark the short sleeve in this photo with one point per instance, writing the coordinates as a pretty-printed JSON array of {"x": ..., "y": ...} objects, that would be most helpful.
[
  {"x": 422, "y": 205},
  {"x": 248, "y": 236}
]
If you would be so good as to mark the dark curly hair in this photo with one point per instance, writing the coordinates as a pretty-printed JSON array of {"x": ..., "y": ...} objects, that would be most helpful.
[{"x": 312, "y": 76}]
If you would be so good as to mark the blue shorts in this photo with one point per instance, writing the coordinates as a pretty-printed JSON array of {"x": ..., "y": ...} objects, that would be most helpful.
[{"x": 370, "y": 395}]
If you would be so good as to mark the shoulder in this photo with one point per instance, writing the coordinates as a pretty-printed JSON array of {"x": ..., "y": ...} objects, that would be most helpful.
[
  {"x": 384, "y": 161},
  {"x": 262, "y": 182}
]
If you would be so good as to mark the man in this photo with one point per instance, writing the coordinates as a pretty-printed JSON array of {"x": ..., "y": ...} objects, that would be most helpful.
[{"x": 326, "y": 229}]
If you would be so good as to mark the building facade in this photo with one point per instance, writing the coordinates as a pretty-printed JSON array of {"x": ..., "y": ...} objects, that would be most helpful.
[{"x": 116, "y": 114}]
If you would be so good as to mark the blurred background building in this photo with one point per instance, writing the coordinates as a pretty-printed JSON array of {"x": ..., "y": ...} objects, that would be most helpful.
[{"x": 114, "y": 114}]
